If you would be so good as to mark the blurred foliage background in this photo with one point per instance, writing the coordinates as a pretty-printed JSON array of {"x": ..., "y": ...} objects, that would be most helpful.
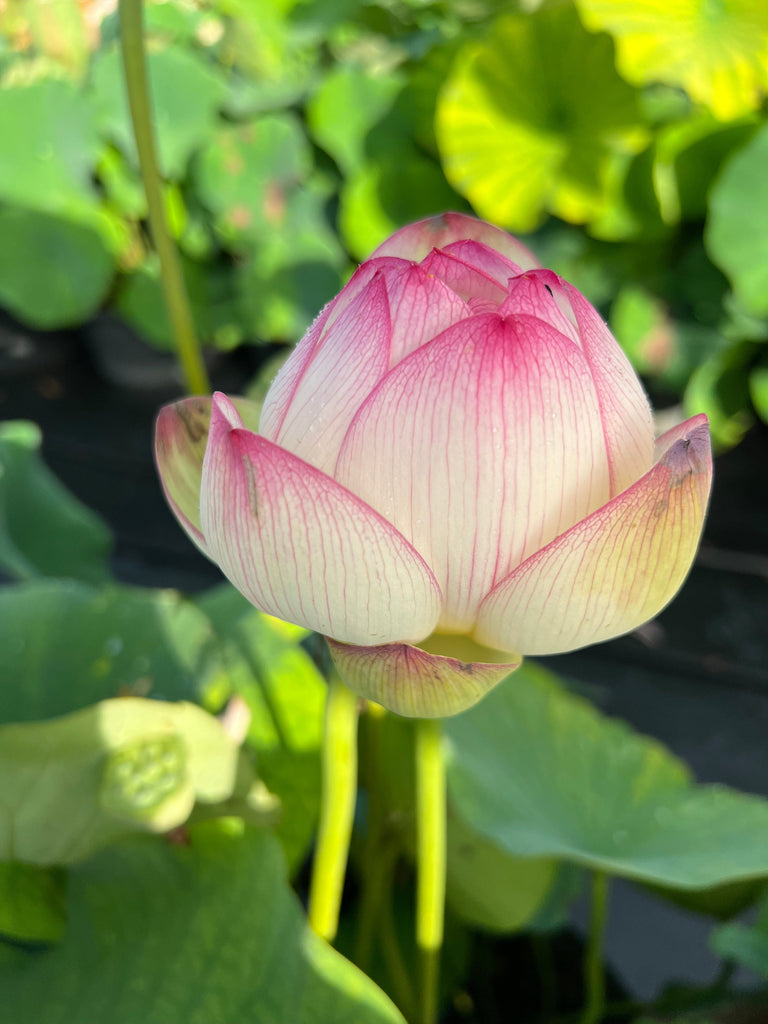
[{"x": 628, "y": 141}]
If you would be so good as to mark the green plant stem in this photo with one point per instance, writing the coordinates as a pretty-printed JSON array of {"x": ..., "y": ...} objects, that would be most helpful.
[
  {"x": 337, "y": 808},
  {"x": 180, "y": 314},
  {"x": 594, "y": 973},
  {"x": 402, "y": 990},
  {"x": 430, "y": 860}
]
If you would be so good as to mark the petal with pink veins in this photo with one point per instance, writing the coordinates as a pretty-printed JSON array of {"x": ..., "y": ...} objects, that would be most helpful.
[
  {"x": 285, "y": 384},
  {"x": 533, "y": 294},
  {"x": 624, "y": 407},
  {"x": 422, "y": 307},
  {"x": 480, "y": 447},
  {"x": 301, "y": 547},
  {"x": 415, "y": 684},
  {"x": 617, "y": 568},
  {"x": 352, "y": 359},
  {"x": 415, "y": 241},
  {"x": 181, "y": 435},
  {"x": 470, "y": 282}
]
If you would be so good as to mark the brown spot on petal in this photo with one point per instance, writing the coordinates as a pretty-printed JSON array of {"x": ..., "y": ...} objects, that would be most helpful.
[
  {"x": 688, "y": 456},
  {"x": 250, "y": 482},
  {"x": 195, "y": 418}
]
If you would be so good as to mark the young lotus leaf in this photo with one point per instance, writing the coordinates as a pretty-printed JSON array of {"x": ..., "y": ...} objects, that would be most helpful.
[
  {"x": 44, "y": 530},
  {"x": 72, "y": 785},
  {"x": 542, "y": 773},
  {"x": 717, "y": 51},
  {"x": 735, "y": 234},
  {"x": 522, "y": 132},
  {"x": 199, "y": 933}
]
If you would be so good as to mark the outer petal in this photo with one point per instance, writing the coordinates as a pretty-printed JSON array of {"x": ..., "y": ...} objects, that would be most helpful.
[
  {"x": 415, "y": 241},
  {"x": 352, "y": 359},
  {"x": 181, "y": 434},
  {"x": 289, "y": 378},
  {"x": 624, "y": 408},
  {"x": 422, "y": 307},
  {"x": 480, "y": 447},
  {"x": 617, "y": 568},
  {"x": 415, "y": 684},
  {"x": 474, "y": 283},
  {"x": 301, "y": 547}
]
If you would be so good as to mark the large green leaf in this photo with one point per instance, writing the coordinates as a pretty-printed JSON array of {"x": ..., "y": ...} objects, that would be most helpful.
[
  {"x": 738, "y": 211},
  {"x": 529, "y": 119},
  {"x": 199, "y": 933},
  {"x": 49, "y": 147},
  {"x": 72, "y": 785},
  {"x": 187, "y": 92},
  {"x": 345, "y": 107},
  {"x": 542, "y": 773},
  {"x": 718, "y": 50},
  {"x": 32, "y": 902},
  {"x": 66, "y": 645},
  {"x": 260, "y": 659},
  {"x": 44, "y": 530},
  {"x": 57, "y": 271}
]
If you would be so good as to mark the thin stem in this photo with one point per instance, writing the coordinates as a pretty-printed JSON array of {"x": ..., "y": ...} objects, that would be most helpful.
[
  {"x": 402, "y": 990},
  {"x": 337, "y": 808},
  {"x": 430, "y": 860},
  {"x": 594, "y": 973},
  {"x": 134, "y": 67}
]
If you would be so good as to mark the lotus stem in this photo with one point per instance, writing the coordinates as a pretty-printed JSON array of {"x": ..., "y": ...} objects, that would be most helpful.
[
  {"x": 337, "y": 808},
  {"x": 594, "y": 972},
  {"x": 430, "y": 860},
  {"x": 176, "y": 299}
]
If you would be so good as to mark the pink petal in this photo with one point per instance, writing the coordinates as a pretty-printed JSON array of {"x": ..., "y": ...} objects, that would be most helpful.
[
  {"x": 348, "y": 361},
  {"x": 289, "y": 378},
  {"x": 422, "y": 307},
  {"x": 467, "y": 280},
  {"x": 536, "y": 293},
  {"x": 617, "y": 568},
  {"x": 301, "y": 547},
  {"x": 415, "y": 684},
  {"x": 624, "y": 407},
  {"x": 480, "y": 447},
  {"x": 415, "y": 241},
  {"x": 181, "y": 435}
]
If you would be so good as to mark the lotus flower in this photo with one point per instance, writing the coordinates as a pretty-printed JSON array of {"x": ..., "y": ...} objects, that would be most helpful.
[{"x": 457, "y": 448}]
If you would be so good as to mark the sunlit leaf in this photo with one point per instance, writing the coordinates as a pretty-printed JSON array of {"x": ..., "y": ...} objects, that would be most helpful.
[
  {"x": 44, "y": 530},
  {"x": 528, "y": 119},
  {"x": 735, "y": 233},
  {"x": 199, "y": 933},
  {"x": 542, "y": 773},
  {"x": 716, "y": 49}
]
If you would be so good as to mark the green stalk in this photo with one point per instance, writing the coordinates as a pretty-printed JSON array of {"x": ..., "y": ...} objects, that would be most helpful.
[
  {"x": 177, "y": 302},
  {"x": 594, "y": 973},
  {"x": 337, "y": 808},
  {"x": 430, "y": 860}
]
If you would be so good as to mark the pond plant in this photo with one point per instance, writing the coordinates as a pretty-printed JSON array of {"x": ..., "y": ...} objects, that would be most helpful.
[{"x": 455, "y": 469}]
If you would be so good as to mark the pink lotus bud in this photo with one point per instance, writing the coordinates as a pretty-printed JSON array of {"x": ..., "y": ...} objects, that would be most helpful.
[{"x": 457, "y": 447}]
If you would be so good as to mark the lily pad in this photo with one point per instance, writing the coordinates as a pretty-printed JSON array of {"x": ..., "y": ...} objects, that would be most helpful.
[
  {"x": 735, "y": 234},
  {"x": 44, "y": 530},
  {"x": 66, "y": 645},
  {"x": 542, "y": 773},
  {"x": 521, "y": 134},
  {"x": 717, "y": 51},
  {"x": 206, "y": 932}
]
